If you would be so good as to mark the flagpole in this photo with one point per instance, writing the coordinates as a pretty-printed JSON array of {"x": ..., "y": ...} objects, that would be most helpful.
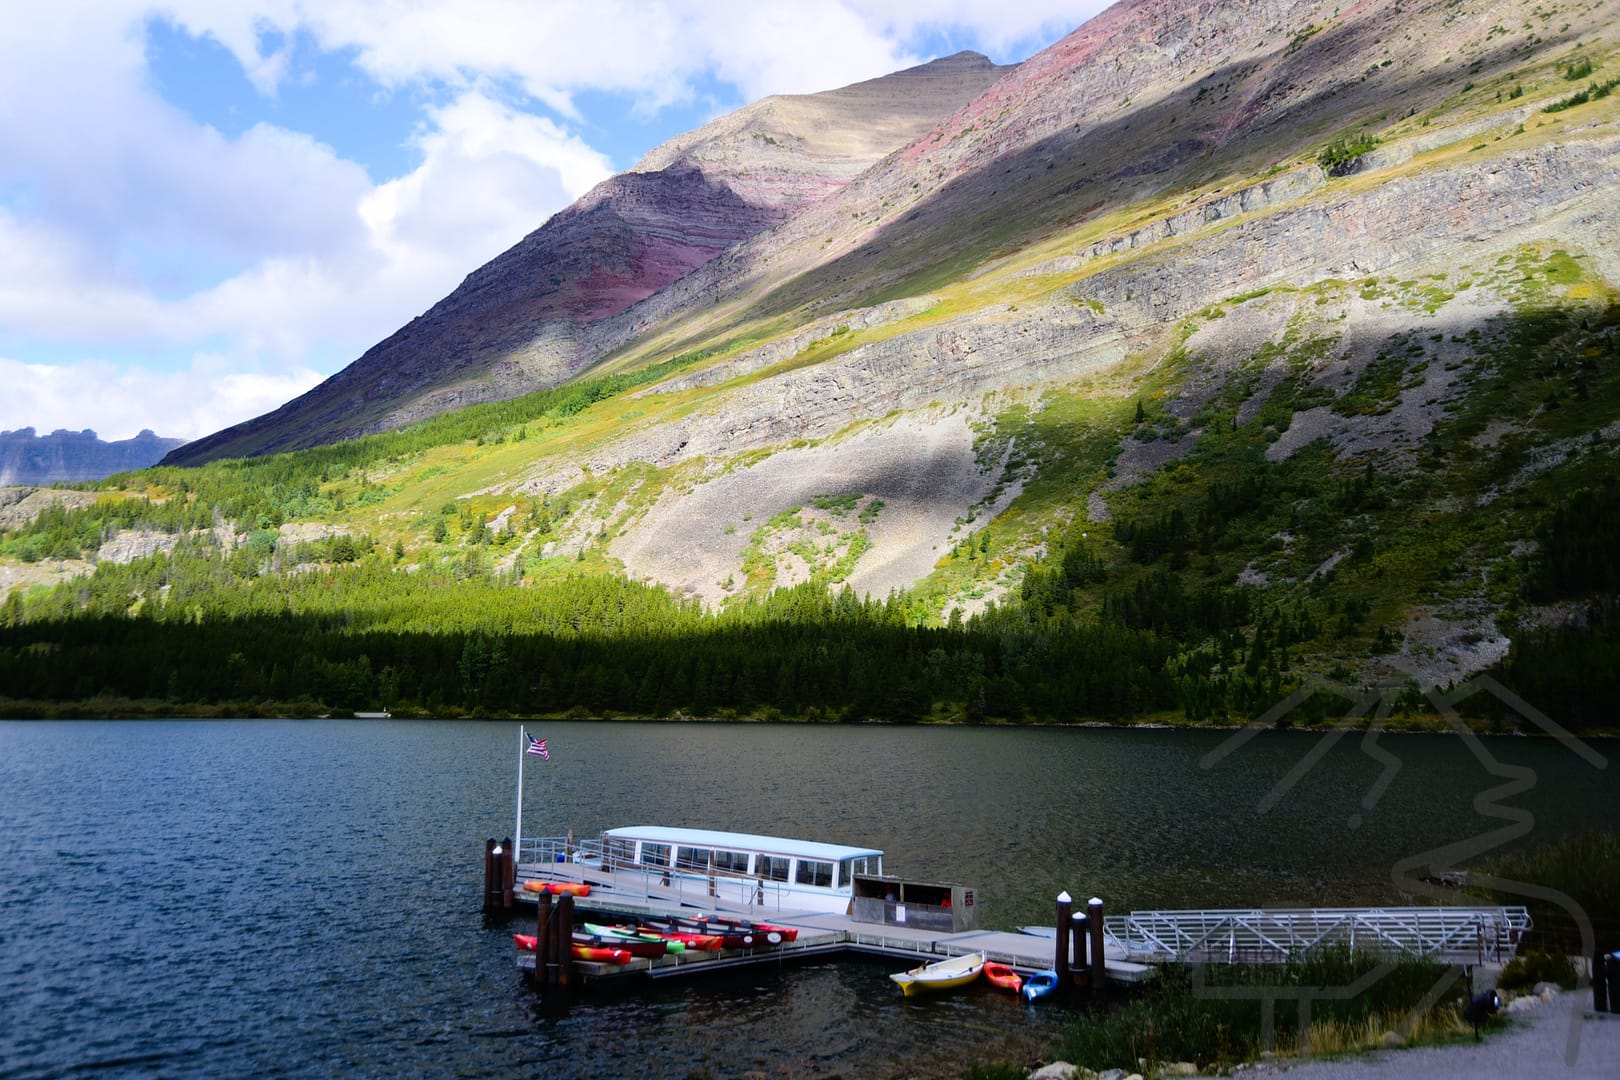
[{"x": 517, "y": 825}]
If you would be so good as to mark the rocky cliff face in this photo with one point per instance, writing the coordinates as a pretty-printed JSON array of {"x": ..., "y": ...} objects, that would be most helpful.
[
  {"x": 74, "y": 456},
  {"x": 516, "y": 323}
]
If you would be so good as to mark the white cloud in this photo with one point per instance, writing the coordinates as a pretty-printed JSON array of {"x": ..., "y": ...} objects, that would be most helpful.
[
  {"x": 129, "y": 230},
  {"x": 487, "y": 169},
  {"x": 117, "y": 402}
]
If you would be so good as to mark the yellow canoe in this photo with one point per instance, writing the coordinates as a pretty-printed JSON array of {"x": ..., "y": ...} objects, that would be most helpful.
[{"x": 940, "y": 975}]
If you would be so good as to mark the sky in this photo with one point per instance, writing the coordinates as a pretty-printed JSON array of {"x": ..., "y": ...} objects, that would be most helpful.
[{"x": 209, "y": 206}]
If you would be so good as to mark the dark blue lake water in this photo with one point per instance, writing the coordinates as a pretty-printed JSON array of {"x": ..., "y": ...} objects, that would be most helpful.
[{"x": 302, "y": 898}]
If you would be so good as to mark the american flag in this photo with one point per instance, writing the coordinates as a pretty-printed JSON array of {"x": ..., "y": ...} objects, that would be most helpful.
[{"x": 538, "y": 746}]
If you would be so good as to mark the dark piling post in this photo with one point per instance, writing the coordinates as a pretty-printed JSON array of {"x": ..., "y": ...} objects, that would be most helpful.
[
  {"x": 1060, "y": 962},
  {"x": 542, "y": 940},
  {"x": 509, "y": 876},
  {"x": 1077, "y": 942},
  {"x": 565, "y": 940},
  {"x": 1099, "y": 959},
  {"x": 491, "y": 894},
  {"x": 1601, "y": 968}
]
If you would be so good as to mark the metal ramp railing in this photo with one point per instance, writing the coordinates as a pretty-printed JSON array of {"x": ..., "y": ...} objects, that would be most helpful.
[{"x": 1455, "y": 935}]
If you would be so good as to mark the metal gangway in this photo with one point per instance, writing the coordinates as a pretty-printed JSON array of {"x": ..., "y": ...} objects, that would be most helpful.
[{"x": 1451, "y": 935}]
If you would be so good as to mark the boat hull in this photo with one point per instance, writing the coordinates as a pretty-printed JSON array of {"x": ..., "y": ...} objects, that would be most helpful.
[{"x": 944, "y": 974}]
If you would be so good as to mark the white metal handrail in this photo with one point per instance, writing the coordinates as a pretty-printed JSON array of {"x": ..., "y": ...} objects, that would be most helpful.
[{"x": 1258, "y": 935}]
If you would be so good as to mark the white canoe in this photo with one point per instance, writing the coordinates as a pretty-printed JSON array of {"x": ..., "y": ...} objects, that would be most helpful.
[{"x": 941, "y": 975}]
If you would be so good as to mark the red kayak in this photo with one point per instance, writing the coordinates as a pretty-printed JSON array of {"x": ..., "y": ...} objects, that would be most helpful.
[
  {"x": 786, "y": 933},
  {"x": 593, "y": 953},
  {"x": 642, "y": 950},
  {"x": 731, "y": 935},
  {"x": 700, "y": 942},
  {"x": 1003, "y": 976}
]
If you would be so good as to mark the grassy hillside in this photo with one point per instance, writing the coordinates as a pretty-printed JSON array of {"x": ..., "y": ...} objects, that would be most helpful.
[{"x": 1345, "y": 415}]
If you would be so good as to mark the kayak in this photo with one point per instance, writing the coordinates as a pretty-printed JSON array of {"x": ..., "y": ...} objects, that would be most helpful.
[
  {"x": 595, "y": 953},
  {"x": 763, "y": 934},
  {"x": 694, "y": 931},
  {"x": 669, "y": 932},
  {"x": 629, "y": 934},
  {"x": 557, "y": 888},
  {"x": 642, "y": 950},
  {"x": 1040, "y": 984},
  {"x": 1003, "y": 976}
]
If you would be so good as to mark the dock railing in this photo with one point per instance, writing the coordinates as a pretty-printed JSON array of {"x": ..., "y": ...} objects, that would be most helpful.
[{"x": 1456, "y": 935}]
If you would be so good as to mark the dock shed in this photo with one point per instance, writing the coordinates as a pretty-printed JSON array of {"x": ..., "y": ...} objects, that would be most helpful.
[{"x": 922, "y": 905}]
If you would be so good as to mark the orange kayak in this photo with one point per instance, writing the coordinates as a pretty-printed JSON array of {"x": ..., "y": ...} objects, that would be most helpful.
[
  {"x": 1003, "y": 976},
  {"x": 557, "y": 888}
]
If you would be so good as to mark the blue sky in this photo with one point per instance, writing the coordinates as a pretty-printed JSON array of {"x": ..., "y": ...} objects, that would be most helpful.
[{"x": 207, "y": 206}]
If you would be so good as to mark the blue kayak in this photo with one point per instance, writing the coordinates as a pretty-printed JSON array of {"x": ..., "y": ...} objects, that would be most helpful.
[{"x": 1039, "y": 985}]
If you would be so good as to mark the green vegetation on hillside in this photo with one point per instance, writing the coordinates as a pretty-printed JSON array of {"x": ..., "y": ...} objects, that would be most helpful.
[{"x": 1223, "y": 578}]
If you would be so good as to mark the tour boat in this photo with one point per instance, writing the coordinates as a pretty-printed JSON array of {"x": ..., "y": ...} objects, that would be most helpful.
[
  {"x": 1003, "y": 976},
  {"x": 734, "y": 871},
  {"x": 941, "y": 975},
  {"x": 1040, "y": 984}
]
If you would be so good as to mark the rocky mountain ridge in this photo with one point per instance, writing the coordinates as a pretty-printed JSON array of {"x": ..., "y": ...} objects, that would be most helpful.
[
  {"x": 519, "y": 322},
  {"x": 63, "y": 456}
]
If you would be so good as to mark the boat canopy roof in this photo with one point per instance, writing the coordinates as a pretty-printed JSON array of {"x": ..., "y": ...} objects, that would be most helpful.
[{"x": 713, "y": 838}]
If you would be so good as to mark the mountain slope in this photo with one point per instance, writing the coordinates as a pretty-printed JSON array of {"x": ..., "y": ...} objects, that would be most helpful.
[
  {"x": 1214, "y": 350},
  {"x": 515, "y": 323}
]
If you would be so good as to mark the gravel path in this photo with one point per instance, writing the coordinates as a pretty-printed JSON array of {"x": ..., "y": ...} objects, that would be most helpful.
[{"x": 1537, "y": 1045}]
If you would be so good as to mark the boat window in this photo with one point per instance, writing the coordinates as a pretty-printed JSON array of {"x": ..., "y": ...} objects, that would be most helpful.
[
  {"x": 773, "y": 867},
  {"x": 861, "y": 864},
  {"x": 813, "y": 872},
  {"x": 655, "y": 854},
  {"x": 620, "y": 852},
  {"x": 731, "y": 862},
  {"x": 693, "y": 858}
]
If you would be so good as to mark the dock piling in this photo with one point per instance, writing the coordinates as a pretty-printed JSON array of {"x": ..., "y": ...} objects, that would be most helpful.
[
  {"x": 542, "y": 939},
  {"x": 1060, "y": 962},
  {"x": 509, "y": 873},
  {"x": 565, "y": 941},
  {"x": 494, "y": 877},
  {"x": 1078, "y": 957},
  {"x": 1099, "y": 958}
]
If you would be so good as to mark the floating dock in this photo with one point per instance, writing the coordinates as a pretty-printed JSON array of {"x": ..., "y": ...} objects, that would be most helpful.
[{"x": 617, "y": 897}]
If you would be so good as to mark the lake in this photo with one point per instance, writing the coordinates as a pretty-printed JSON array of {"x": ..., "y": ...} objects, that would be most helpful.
[{"x": 302, "y": 897}]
